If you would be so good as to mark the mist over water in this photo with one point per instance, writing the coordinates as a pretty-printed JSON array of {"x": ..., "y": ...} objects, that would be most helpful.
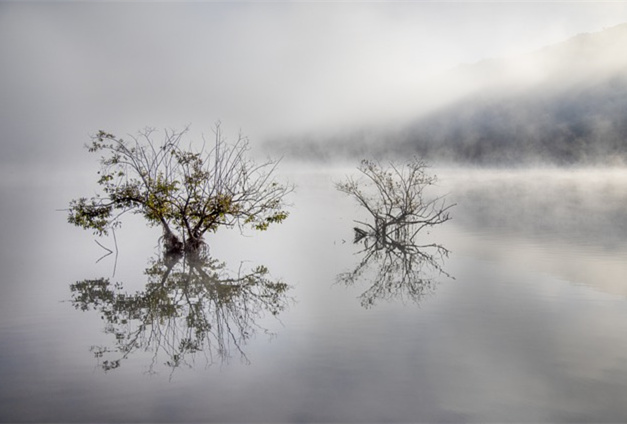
[
  {"x": 517, "y": 107},
  {"x": 535, "y": 303},
  {"x": 582, "y": 204},
  {"x": 557, "y": 218}
]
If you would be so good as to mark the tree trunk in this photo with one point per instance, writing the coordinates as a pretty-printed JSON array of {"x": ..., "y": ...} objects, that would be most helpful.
[
  {"x": 193, "y": 244},
  {"x": 171, "y": 243}
]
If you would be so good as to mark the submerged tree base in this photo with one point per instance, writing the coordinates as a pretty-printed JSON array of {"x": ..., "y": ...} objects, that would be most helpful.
[{"x": 172, "y": 245}]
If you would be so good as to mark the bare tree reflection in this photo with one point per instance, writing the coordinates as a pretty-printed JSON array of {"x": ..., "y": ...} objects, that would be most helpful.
[
  {"x": 191, "y": 305},
  {"x": 397, "y": 265}
]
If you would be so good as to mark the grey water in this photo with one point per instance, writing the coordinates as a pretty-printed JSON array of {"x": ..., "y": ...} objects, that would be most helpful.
[{"x": 529, "y": 323}]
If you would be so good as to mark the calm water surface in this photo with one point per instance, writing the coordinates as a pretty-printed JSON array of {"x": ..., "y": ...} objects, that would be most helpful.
[{"x": 531, "y": 325}]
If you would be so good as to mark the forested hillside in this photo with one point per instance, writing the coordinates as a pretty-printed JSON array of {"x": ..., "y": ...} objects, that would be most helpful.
[{"x": 566, "y": 103}]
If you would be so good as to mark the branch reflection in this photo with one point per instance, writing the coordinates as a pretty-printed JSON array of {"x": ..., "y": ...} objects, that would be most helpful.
[
  {"x": 191, "y": 305},
  {"x": 396, "y": 267}
]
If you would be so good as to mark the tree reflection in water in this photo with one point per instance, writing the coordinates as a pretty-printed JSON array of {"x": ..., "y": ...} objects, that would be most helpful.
[
  {"x": 191, "y": 305},
  {"x": 395, "y": 266}
]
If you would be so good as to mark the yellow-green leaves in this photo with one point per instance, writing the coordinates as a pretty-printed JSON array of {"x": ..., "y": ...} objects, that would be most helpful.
[{"x": 90, "y": 215}]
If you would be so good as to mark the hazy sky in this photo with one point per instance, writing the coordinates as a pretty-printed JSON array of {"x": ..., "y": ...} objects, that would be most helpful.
[{"x": 71, "y": 68}]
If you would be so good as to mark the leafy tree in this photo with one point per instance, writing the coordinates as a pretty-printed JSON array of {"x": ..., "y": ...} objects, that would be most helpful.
[{"x": 185, "y": 191}]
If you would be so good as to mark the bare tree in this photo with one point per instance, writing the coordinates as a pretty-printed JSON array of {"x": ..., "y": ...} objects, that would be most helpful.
[
  {"x": 395, "y": 197},
  {"x": 187, "y": 192}
]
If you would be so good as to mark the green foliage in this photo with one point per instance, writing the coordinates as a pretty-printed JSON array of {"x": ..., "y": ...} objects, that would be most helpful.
[
  {"x": 90, "y": 214},
  {"x": 184, "y": 191}
]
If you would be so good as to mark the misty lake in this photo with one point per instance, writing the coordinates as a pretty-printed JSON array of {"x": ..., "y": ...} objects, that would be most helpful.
[{"x": 530, "y": 324}]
